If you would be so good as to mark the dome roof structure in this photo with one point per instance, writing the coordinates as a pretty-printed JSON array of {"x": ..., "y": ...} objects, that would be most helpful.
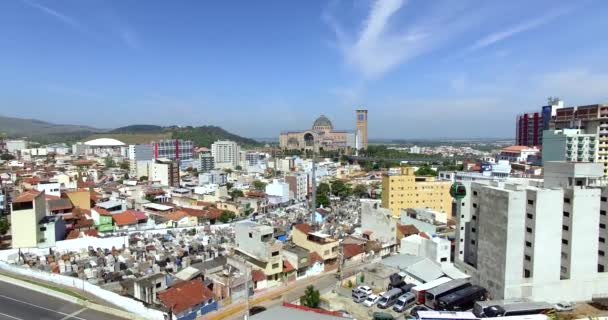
[
  {"x": 104, "y": 142},
  {"x": 322, "y": 122}
]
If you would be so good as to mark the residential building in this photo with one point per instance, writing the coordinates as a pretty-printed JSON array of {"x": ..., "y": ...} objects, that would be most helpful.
[
  {"x": 517, "y": 219},
  {"x": 257, "y": 245},
  {"x": 519, "y": 154},
  {"x": 27, "y": 212},
  {"x": 13, "y": 146},
  {"x": 298, "y": 258},
  {"x": 316, "y": 242},
  {"x": 173, "y": 149},
  {"x": 377, "y": 224},
  {"x": 404, "y": 190},
  {"x": 206, "y": 162},
  {"x": 226, "y": 154},
  {"x": 530, "y": 126},
  {"x": 188, "y": 299},
  {"x": 218, "y": 177},
  {"x": 434, "y": 248},
  {"x": 165, "y": 171},
  {"x": 146, "y": 288},
  {"x": 279, "y": 189},
  {"x": 137, "y": 154},
  {"x": 570, "y": 145},
  {"x": 49, "y": 188},
  {"x": 298, "y": 185}
]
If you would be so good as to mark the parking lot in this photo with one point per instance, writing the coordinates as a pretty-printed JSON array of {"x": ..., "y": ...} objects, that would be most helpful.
[{"x": 344, "y": 302}]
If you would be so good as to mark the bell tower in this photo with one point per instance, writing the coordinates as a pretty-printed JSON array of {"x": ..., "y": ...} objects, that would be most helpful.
[{"x": 361, "y": 127}]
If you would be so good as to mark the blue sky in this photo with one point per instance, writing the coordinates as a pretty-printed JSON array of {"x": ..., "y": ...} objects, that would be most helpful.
[{"x": 422, "y": 68}]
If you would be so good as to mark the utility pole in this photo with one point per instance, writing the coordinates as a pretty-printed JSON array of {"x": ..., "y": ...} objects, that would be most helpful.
[
  {"x": 247, "y": 278},
  {"x": 314, "y": 190}
]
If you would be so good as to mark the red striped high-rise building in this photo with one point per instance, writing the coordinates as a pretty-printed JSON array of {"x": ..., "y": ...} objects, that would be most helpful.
[{"x": 529, "y": 130}]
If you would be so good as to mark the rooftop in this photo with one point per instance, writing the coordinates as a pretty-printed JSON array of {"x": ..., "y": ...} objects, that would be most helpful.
[{"x": 185, "y": 295}]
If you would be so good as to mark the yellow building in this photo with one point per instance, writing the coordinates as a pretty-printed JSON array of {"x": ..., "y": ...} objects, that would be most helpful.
[
  {"x": 325, "y": 246},
  {"x": 406, "y": 190},
  {"x": 28, "y": 209}
]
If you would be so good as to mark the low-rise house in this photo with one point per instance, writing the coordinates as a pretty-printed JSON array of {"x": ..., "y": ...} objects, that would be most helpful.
[
  {"x": 322, "y": 244},
  {"x": 297, "y": 257},
  {"x": 60, "y": 206},
  {"x": 180, "y": 219},
  {"x": 256, "y": 244},
  {"x": 125, "y": 221},
  {"x": 434, "y": 248},
  {"x": 353, "y": 253},
  {"x": 188, "y": 299},
  {"x": 378, "y": 225},
  {"x": 103, "y": 219},
  {"x": 146, "y": 288}
]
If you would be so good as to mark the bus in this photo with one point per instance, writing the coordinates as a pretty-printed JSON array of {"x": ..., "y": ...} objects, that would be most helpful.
[
  {"x": 461, "y": 300},
  {"x": 420, "y": 290},
  {"x": 505, "y": 308},
  {"x": 445, "y": 315},
  {"x": 439, "y": 291}
]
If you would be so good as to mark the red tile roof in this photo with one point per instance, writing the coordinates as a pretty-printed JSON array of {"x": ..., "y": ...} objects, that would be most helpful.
[
  {"x": 258, "y": 275},
  {"x": 319, "y": 311},
  {"x": 74, "y": 234},
  {"x": 102, "y": 211},
  {"x": 83, "y": 162},
  {"x": 185, "y": 295},
  {"x": 124, "y": 218},
  {"x": 27, "y": 196},
  {"x": 138, "y": 214},
  {"x": 83, "y": 223},
  {"x": 516, "y": 149},
  {"x": 50, "y": 197},
  {"x": 205, "y": 204},
  {"x": 315, "y": 257},
  {"x": 407, "y": 229},
  {"x": 211, "y": 213},
  {"x": 287, "y": 267},
  {"x": 352, "y": 250},
  {"x": 176, "y": 215},
  {"x": 424, "y": 235},
  {"x": 256, "y": 194},
  {"x": 303, "y": 227}
]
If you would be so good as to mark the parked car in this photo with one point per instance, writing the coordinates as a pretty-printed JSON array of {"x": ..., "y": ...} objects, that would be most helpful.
[
  {"x": 382, "y": 316},
  {"x": 389, "y": 298},
  {"x": 256, "y": 309},
  {"x": 365, "y": 289},
  {"x": 404, "y": 302},
  {"x": 414, "y": 311},
  {"x": 371, "y": 300},
  {"x": 564, "y": 306},
  {"x": 359, "y": 296}
]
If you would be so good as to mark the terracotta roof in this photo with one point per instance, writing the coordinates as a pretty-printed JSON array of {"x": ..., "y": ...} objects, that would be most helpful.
[
  {"x": 205, "y": 204},
  {"x": 185, "y": 295},
  {"x": 124, "y": 218},
  {"x": 84, "y": 162},
  {"x": 351, "y": 250},
  {"x": 102, "y": 211},
  {"x": 303, "y": 227},
  {"x": 74, "y": 234},
  {"x": 211, "y": 213},
  {"x": 287, "y": 267},
  {"x": 407, "y": 229},
  {"x": 256, "y": 194},
  {"x": 138, "y": 214},
  {"x": 78, "y": 211},
  {"x": 51, "y": 197},
  {"x": 315, "y": 257},
  {"x": 84, "y": 223},
  {"x": 60, "y": 204},
  {"x": 319, "y": 311},
  {"x": 258, "y": 275},
  {"x": 518, "y": 149},
  {"x": 424, "y": 235},
  {"x": 27, "y": 196},
  {"x": 176, "y": 215},
  {"x": 322, "y": 211},
  {"x": 368, "y": 232}
]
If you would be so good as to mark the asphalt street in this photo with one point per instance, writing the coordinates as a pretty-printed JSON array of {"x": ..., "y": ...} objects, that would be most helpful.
[{"x": 17, "y": 303}]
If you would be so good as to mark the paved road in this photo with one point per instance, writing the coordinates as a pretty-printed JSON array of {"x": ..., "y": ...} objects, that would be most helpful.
[{"x": 17, "y": 303}]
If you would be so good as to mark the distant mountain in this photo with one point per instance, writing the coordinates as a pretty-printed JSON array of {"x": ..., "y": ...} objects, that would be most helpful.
[
  {"x": 138, "y": 128},
  {"x": 18, "y": 127},
  {"x": 204, "y": 136}
]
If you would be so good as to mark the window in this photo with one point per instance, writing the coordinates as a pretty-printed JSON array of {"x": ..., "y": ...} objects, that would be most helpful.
[
  {"x": 275, "y": 265},
  {"x": 473, "y": 242},
  {"x": 602, "y": 212},
  {"x": 276, "y": 253},
  {"x": 474, "y": 193},
  {"x": 604, "y": 199},
  {"x": 528, "y": 244},
  {"x": 42, "y": 228},
  {"x": 474, "y": 205},
  {"x": 474, "y": 217},
  {"x": 530, "y": 216},
  {"x": 602, "y": 226},
  {"x": 563, "y": 270},
  {"x": 564, "y": 255},
  {"x": 600, "y": 268},
  {"x": 527, "y": 257},
  {"x": 526, "y": 273},
  {"x": 250, "y": 235},
  {"x": 326, "y": 252},
  {"x": 473, "y": 230},
  {"x": 529, "y": 230},
  {"x": 566, "y": 214},
  {"x": 565, "y": 228},
  {"x": 530, "y": 202},
  {"x": 602, "y": 240},
  {"x": 567, "y": 200},
  {"x": 444, "y": 259},
  {"x": 158, "y": 285},
  {"x": 601, "y": 253},
  {"x": 565, "y": 241}
]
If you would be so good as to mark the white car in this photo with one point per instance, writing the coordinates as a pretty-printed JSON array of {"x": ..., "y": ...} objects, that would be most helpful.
[
  {"x": 564, "y": 306},
  {"x": 371, "y": 300},
  {"x": 365, "y": 289}
]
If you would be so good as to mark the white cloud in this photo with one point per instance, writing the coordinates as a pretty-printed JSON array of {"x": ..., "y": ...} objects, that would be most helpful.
[
  {"x": 501, "y": 35},
  {"x": 578, "y": 85}
]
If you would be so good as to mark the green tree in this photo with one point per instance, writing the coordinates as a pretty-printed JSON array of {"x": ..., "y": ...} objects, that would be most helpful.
[
  {"x": 360, "y": 190},
  {"x": 109, "y": 162},
  {"x": 340, "y": 189},
  {"x": 143, "y": 178},
  {"x": 235, "y": 193},
  {"x": 151, "y": 197},
  {"x": 4, "y": 225},
  {"x": 238, "y": 168},
  {"x": 7, "y": 157},
  {"x": 323, "y": 195},
  {"x": 259, "y": 185},
  {"x": 226, "y": 216},
  {"x": 362, "y": 278},
  {"x": 425, "y": 170},
  {"x": 311, "y": 297},
  {"x": 229, "y": 185},
  {"x": 228, "y": 171},
  {"x": 124, "y": 165}
]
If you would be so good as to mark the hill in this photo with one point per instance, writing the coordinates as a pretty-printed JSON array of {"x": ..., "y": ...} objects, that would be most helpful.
[
  {"x": 16, "y": 127},
  {"x": 138, "y": 128},
  {"x": 204, "y": 136}
]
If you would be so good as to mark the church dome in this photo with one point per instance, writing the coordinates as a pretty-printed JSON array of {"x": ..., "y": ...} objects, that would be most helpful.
[{"x": 322, "y": 123}]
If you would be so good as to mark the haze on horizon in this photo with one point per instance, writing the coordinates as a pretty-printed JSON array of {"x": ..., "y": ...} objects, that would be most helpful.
[{"x": 422, "y": 68}]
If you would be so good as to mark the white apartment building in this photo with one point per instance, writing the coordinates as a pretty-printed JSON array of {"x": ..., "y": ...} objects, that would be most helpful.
[
  {"x": 278, "y": 189},
  {"x": 433, "y": 248},
  {"x": 226, "y": 154},
  {"x": 377, "y": 224},
  {"x": 537, "y": 239},
  {"x": 138, "y": 153},
  {"x": 298, "y": 185},
  {"x": 570, "y": 145},
  {"x": 165, "y": 171},
  {"x": 13, "y": 146}
]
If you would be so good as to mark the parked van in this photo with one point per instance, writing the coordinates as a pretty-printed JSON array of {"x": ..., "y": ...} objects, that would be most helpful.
[
  {"x": 389, "y": 298},
  {"x": 404, "y": 302},
  {"x": 359, "y": 296}
]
